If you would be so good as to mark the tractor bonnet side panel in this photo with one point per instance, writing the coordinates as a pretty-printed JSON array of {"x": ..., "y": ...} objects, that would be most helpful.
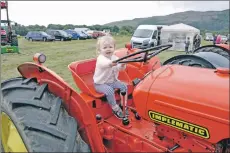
[
  {"x": 141, "y": 91},
  {"x": 192, "y": 100}
]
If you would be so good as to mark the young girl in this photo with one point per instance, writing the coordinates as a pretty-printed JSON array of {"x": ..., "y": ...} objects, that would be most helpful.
[{"x": 106, "y": 73}]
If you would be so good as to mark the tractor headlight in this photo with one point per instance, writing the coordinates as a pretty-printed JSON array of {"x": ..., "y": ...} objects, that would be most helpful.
[{"x": 39, "y": 58}]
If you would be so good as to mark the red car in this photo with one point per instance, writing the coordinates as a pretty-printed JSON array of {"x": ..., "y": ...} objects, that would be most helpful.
[{"x": 97, "y": 34}]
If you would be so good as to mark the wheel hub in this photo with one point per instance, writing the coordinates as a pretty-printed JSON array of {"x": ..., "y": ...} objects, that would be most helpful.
[{"x": 11, "y": 139}]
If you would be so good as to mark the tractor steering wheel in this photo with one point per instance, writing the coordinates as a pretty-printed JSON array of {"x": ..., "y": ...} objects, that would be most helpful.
[{"x": 148, "y": 54}]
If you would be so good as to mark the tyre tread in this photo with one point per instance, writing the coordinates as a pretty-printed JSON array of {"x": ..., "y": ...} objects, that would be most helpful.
[
  {"x": 56, "y": 111},
  {"x": 44, "y": 128},
  {"x": 40, "y": 91},
  {"x": 42, "y": 119},
  {"x": 33, "y": 103},
  {"x": 17, "y": 87}
]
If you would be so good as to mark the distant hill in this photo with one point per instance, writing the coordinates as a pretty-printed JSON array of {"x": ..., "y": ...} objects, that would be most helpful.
[{"x": 210, "y": 20}]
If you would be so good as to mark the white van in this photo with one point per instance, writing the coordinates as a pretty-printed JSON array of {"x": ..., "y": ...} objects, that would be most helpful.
[{"x": 145, "y": 36}]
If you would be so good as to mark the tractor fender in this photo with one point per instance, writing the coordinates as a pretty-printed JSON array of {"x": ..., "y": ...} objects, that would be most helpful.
[{"x": 73, "y": 102}]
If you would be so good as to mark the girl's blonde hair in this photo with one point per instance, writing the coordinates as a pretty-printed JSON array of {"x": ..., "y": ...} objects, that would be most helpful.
[{"x": 101, "y": 40}]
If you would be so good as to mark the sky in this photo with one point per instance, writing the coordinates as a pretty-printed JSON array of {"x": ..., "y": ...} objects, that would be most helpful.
[{"x": 99, "y": 12}]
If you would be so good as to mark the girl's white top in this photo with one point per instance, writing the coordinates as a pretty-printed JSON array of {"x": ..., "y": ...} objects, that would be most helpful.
[{"x": 104, "y": 72}]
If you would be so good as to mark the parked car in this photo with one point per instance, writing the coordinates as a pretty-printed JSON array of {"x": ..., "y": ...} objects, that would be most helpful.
[
  {"x": 97, "y": 34},
  {"x": 59, "y": 34},
  {"x": 208, "y": 37},
  {"x": 82, "y": 34},
  {"x": 88, "y": 35},
  {"x": 82, "y": 29},
  {"x": 224, "y": 38},
  {"x": 90, "y": 32},
  {"x": 86, "y": 31},
  {"x": 75, "y": 35},
  {"x": 39, "y": 36}
]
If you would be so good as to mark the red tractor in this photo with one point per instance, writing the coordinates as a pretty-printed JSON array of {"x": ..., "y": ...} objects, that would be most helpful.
[{"x": 181, "y": 105}]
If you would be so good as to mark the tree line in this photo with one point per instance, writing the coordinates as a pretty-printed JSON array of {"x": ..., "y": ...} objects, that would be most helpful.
[
  {"x": 23, "y": 30},
  {"x": 124, "y": 30}
]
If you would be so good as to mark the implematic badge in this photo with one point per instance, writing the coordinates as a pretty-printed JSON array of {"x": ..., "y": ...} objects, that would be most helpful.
[{"x": 179, "y": 124}]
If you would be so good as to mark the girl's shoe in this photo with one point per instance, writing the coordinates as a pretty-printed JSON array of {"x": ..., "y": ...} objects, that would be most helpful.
[{"x": 119, "y": 114}]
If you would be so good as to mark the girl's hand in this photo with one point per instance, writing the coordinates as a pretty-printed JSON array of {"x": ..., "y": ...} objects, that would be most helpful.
[
  {"x": 113, "y": 64},
  {"x": 123, "y": 65}
]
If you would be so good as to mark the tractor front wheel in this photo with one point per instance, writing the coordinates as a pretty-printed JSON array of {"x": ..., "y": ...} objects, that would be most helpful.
[{"x": 34, "y": 120}]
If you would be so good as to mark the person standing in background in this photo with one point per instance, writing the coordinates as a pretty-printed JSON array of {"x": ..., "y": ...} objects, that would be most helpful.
[
  {"x": 194, "y": 42},
  {"x": 187, "y": 43},
  {"x": 214, "y": 39},
  {"x": 197, "y": 41},
  {"x": 218, "y": 39}
]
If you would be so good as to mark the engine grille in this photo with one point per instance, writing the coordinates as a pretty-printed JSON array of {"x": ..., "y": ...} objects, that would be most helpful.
[{"x": 137, "y": 44}]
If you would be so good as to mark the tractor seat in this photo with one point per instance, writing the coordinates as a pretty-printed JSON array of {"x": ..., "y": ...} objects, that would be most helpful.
[{"x": 83, "y": 71}]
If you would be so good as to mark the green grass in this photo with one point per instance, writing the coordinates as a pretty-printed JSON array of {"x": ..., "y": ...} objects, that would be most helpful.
[{"x": 59, "y": 55}]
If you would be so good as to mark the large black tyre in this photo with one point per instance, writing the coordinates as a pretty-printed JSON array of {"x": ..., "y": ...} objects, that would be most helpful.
[
  {"x": 40, "y": 118},
  {"x": 14, "y": 41},
  {"x": 215, "y": 49}
]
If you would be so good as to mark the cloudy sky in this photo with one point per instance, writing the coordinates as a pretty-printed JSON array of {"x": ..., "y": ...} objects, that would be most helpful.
[{"x": 99, "y": 12}]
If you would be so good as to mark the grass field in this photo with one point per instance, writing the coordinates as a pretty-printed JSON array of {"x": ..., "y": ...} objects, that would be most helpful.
[{"x": 59, "y": 55}]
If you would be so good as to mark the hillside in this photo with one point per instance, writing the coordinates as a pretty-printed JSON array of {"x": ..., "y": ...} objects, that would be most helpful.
[{"x": 210, "y": 20}]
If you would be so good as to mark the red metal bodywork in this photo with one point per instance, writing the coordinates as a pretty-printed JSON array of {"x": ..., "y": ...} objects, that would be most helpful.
[
  {"x": 141, "y": 67},
  {"x": 186, "y": 94},
  {"x": 227, "y": 46},
  {"x": 169, "y": 94},
  {"x": 80, "y": 107}
]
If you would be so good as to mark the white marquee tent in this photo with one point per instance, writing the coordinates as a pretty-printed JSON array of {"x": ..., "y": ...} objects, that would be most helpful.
[{"x": 177, "y": 34}]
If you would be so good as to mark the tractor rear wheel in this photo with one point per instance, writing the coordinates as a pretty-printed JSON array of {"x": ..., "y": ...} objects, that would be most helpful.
[
  {"x": 34, "y": 120},
  {"x": 14, "y": 41}
]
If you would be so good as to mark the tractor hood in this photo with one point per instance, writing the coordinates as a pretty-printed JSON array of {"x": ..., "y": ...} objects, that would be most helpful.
[
  {"x": 195, "y": 95},
  {"x": 197, "y": 89}
]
